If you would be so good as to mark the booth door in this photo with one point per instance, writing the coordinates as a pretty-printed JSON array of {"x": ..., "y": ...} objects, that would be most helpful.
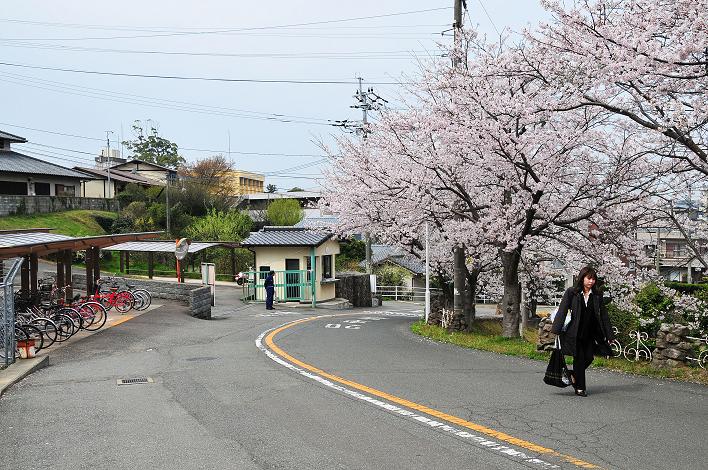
[{"x": 292, "y": 279}]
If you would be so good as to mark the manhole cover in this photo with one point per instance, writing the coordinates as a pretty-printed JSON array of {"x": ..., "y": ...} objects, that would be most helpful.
[
  {"x": 139, "y": 380},
  {"x": 201, "y": 358}
]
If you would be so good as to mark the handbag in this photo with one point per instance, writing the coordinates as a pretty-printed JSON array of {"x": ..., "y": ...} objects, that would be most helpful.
[
  {"x": 557, "y": 373},
  {"x": 566, "y": 321}
]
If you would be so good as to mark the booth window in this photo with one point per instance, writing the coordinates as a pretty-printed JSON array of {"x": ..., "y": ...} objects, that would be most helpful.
[
  {"x": 264, "y": 270},
  {"x": 327, "y": 267}
]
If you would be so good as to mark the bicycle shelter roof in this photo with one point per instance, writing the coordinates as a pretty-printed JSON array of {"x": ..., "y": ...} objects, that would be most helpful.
[
  {"x": 21, "y": 243},
  {"x": 165, "y": 246}
]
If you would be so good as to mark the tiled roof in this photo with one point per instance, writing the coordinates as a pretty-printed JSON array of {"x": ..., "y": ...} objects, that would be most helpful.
[
  {"x": 14, "y": 162},
  {"x": 286, "y": 236},
  {"x": 12, "y": 137},
  {"x": 383, "y": 253}
]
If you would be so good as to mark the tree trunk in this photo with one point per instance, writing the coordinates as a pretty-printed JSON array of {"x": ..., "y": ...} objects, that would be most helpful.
[
  {"x": 469, "y": 308},
  {"x": 511, "y": 302}
]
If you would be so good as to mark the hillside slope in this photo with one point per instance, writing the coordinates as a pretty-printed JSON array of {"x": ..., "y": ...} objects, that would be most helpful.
[{"x": 77, "y": 223}]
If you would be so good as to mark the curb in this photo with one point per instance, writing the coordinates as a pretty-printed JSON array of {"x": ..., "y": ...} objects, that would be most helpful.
[{"x": 19, "y": 370}]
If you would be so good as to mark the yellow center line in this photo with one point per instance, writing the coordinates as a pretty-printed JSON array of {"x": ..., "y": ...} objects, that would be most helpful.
[
  {"x": 122, "y": 320},
  {"x": 415, "y": 406}
]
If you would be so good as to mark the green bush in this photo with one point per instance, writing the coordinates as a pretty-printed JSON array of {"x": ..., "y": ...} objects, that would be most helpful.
[
  {"x": 390, "y": 275},
  {"x": 622, "y": 320},
  {"x": 285, "y": 212}
]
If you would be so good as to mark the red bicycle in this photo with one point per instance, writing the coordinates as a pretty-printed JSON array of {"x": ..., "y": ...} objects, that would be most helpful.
[{"x": 112, "y": 296}]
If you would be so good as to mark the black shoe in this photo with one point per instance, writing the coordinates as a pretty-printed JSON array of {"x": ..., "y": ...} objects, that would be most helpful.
[{"x": 581, "y": 393}]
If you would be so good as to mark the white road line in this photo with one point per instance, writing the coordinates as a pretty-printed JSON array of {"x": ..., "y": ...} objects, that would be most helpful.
[{"x": 476, "y": 439}]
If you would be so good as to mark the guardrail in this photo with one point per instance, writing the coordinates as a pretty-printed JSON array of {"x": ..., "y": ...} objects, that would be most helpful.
[
  {"x": 7, "y": 314},
  {"x": 416, "y": 294}
]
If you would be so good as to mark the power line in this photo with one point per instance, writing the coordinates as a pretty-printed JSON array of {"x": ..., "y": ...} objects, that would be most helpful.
[
  {"x": 51, "y": 132},
  {"x": 165, "y": 29},
  {"x": 264, "y": 154},
  {"x": 119, "y": 97},
  {"x": 225, "y": 31},
  {"x": 488, "y": 17},
  {"x": 366, "y": 55},
  {"x": 207, "y": 79}
]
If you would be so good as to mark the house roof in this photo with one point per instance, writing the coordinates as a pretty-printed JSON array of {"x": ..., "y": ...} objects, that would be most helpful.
[
  {"x": 384, "y": 253},
  {"x": 288, "y": 195},
  {"x": 12, "y": 137},
  {"x": 118, "y": 175},
  {"x": 135, "y": 160},
  {"x": 14, "y": 162},
  {"x": 286, "y": 236}
]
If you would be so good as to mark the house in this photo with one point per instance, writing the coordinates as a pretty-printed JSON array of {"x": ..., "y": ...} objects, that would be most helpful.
[
  {"x": 108, "y": 183},
  {"x": 668, "y": 251},
  {"x": 244, "y": 182},
  {"x": 157, "y": 173},
  {"x": 414, "y": 267},
  {"x": 303, "y": 260},
  {"x": 260, "y": 201},
  {"x": 22, "y": 175}
]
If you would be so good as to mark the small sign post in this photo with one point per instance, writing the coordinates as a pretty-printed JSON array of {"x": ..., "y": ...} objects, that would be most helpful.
[{"x": 209, "y": 279}]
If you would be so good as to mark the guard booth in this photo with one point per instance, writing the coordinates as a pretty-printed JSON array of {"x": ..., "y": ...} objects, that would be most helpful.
[{"x": 303, "y": 261}]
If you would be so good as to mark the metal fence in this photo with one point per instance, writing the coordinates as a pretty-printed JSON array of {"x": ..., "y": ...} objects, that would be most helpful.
[
  {"x": 7, "y": 314},
  {"x": 290, "y": 286},
  {"x": 416, "y": 294}
]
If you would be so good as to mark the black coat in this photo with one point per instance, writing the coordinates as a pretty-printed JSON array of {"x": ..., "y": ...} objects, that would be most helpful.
[{"x": 572, "y": 301}]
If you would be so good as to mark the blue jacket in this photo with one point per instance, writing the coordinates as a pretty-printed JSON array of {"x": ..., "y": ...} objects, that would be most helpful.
[{"x": 269, "y": 281}]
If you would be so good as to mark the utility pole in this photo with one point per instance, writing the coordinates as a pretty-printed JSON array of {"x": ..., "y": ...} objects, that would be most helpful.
[
  {"x": 108, "y": 148},
  {"x": 459, "y": 250},
  {"x": 167, "y": 200},
  {"x": 366, "y": 101}
]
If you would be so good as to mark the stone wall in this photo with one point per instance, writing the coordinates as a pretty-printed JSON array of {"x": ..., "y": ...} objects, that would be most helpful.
[
  {"x": 200, "y": 302},
  {"x": 45, "y": 204},
  {"x": 355, "y": 287},
  {"x": 672, "y": 346},
  {"x": 546, "y": 339},
  {"x": 198, "y": 297}
]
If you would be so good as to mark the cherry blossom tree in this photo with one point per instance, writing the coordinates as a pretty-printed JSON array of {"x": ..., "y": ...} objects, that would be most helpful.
[
  {"x": 644, "y": 61},
  {"x": 486, "y": 154}
]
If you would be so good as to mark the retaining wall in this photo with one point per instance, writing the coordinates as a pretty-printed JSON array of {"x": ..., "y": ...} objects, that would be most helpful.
[
  {"x": 45, "y": 204},
  {"x": 196, "y": 296},
  {"x": 355, "y": 287}
]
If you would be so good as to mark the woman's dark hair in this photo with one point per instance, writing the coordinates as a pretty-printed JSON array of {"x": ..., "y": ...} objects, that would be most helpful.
[{"x": 587, "y": 271}]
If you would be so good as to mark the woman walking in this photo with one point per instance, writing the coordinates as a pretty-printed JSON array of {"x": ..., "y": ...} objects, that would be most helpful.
[{"x": 589, "y": 332}]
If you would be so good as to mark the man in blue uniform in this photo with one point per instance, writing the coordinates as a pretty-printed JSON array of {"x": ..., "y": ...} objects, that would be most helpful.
[{"x": 269, "y": 285}]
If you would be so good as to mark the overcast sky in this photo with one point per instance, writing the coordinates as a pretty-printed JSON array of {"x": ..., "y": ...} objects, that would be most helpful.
[{"x": 332, "y": 41}]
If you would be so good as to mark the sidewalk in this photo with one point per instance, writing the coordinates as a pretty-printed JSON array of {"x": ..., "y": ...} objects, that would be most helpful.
[{"x": 24, "y": 367}]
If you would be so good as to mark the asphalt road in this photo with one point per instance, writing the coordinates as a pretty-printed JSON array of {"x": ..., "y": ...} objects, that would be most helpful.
[{"x": 366, "y": 394}]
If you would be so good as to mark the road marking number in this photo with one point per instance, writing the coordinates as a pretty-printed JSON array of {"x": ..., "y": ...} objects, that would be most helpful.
[{"x": 354, "y": 324}]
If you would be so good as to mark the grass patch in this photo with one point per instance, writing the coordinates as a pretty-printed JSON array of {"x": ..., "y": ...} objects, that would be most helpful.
[
  {"x": 78, "y": 223},
  {"x": 486, "y": 336}
]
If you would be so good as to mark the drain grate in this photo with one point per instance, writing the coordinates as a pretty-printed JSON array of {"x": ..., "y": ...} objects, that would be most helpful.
[{"x": 139, "y": 380}]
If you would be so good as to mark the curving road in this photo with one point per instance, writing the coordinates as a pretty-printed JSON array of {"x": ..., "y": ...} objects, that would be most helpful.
[{"x": 354, "y": 390}]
